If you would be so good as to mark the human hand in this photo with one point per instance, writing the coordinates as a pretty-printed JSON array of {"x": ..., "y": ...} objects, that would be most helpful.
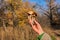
[{"x": 36, "y": 26}]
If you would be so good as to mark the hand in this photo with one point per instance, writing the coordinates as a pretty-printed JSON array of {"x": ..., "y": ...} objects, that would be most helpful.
[{"x": 36, "y": 27}]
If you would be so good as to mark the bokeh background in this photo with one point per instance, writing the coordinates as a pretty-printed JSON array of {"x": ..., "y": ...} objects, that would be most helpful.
[{"x": 14, "y": 23}]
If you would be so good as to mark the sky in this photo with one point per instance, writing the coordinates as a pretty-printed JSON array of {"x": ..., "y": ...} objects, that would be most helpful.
[{"x": 42, "y": 2}]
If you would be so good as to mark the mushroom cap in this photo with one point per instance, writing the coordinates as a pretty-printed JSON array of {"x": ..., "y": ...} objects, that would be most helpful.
[{"x": 30, "y": 12}]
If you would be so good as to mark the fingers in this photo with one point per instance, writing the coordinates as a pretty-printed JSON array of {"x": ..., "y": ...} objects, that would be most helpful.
[
  {"x": 38, "y": 25},
  {"x": 36, "y": 22},
  {"x": 35, "y": 29},
  {"x": 30, "y": 20}
]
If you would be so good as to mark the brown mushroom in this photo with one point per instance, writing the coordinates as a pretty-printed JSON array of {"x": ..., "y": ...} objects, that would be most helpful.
[{"x": 32, "y": 13}]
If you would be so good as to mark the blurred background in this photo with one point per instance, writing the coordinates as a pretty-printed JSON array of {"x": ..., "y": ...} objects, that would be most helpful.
[{"x": 14, "y": 19}]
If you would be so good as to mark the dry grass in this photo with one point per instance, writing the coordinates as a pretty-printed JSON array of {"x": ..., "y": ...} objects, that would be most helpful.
[{"x": 17, "y": 33}]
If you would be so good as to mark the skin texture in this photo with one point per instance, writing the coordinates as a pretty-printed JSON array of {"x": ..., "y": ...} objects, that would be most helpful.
[{"x": 36, "y": 27}]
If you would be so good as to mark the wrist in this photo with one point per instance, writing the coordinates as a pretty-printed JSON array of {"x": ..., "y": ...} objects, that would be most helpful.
[{"x": 41, "y": 33}]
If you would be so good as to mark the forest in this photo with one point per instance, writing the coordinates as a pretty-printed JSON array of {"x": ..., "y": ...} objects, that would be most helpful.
[{"x": 14, "y": 23}]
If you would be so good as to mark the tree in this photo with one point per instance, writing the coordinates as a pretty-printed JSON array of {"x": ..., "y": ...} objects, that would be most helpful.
[{"x": 51, "y": 12}]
